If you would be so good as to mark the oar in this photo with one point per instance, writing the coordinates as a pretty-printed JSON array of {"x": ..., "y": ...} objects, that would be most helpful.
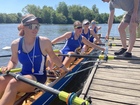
[
  {"x": 14, "y": 70},
  {"x": 6, "y": 48},
  {"x": 114, "y": 44},
  {"x": 4, "y": 56},
  {"x": 101, "y": 57},
  {"x": 115, "y": 38},
  {"x": 70, "y": 99}
]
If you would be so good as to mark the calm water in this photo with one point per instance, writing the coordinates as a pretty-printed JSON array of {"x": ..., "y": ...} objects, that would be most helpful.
[{"x": 9, "y": 32}]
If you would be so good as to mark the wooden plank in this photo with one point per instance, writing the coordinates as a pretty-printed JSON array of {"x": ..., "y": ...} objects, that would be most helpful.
[
  {"x": 113, "y": 78},
  {"x": 116, "y": 90},
  {"x": 104, "y": 102},
  {"x": 121, "y": 74},
  {"x": 116, "y": 84},
  {"x": 114, "y": 97}
]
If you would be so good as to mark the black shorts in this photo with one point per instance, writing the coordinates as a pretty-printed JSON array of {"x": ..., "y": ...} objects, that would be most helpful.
[{"x": 41, "y": 78}]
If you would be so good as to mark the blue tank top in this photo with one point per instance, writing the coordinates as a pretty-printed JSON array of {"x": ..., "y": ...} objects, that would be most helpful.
[
  {"x": 71, "y": 44},
  {"x": 39, "y": 59},
  {"x": 91, "y": 37},
  {"x": 87, "y": 35}
]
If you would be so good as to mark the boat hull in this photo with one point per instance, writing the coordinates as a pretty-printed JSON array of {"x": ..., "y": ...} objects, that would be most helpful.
[{"x": 59, "y": 84}]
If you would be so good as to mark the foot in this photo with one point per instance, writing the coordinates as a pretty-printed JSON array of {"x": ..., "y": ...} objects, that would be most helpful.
[
  {"x": 120, "y": 52},
  {"x": 127, "y": 54}
]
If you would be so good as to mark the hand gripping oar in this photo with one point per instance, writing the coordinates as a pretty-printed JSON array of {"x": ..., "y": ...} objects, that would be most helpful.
[
  {"x": 101, "y": 57},
  {"x": 114, "y": 44},
  {"x": 14, "y": 70},
  {"x": 70, "y": 99}
]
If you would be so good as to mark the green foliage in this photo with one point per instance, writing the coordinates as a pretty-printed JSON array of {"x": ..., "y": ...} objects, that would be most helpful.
[{"x": 63, "y": 14}]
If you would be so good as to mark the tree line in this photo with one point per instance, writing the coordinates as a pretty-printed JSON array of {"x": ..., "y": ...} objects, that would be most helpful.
[{"x": 63, "y": 14}]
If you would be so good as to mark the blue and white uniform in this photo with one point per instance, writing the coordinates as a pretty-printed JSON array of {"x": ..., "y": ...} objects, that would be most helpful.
[
  {"x": 39, "y": 61},
  {"x": 87, "y": 35},
  {"x": 71, "y": 44},
  {"x": 91, "y": 37}
]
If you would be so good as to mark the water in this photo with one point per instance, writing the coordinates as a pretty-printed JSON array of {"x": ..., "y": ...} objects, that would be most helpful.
[{"x": 9, "y": 32}]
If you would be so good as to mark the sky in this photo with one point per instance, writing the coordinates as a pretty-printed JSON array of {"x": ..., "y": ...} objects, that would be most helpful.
[{"x": 15, "y": 6}]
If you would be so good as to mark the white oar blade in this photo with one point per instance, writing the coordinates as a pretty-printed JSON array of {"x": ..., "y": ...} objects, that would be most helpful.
[{"x": 6, "y": 48}]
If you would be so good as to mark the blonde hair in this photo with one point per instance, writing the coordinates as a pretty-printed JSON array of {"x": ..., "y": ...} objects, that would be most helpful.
[
  {"x": 93, "y": 21},
  {"x": 77, "y": 22}
]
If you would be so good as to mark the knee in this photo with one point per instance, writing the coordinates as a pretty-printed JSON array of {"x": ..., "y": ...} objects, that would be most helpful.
[
  {"x": 13, "y": 83},
  {"x": 120, "y": 28}
]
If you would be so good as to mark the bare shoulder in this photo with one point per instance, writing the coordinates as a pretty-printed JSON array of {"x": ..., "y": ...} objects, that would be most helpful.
[
  {"x": 68, "y": 34},
  {"x": 15, "y": 42},
  {"x": 44, "y": 39}
]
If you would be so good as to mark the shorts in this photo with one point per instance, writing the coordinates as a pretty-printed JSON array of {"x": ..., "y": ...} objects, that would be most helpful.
[
  {"x": 41, "y": 78},
  {"x": 127, "y": 18}
]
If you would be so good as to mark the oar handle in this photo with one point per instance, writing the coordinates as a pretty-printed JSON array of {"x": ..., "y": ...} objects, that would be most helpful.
[{"x": 14, "y": 70}]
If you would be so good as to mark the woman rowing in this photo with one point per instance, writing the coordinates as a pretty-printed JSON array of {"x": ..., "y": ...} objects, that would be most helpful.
[
  {"x": 30, "y": 51},
  {"x": 73, "y": 41},
  {"x": 87, "y": 33},
  {"x": 95, "y": 29}
]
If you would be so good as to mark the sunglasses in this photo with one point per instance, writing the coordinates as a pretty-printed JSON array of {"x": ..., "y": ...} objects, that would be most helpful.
[
  {"x": 86, "y": 24},
  {"x": 78, "y": 27},
  {"x": 93, "y": 22},
  {"x": 33, "y": 26}
]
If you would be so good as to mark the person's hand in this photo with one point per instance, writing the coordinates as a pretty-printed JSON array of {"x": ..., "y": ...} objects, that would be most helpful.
[
  {"x": 4, "y": 69},
  {"x": 63, "y": 70},
  {"x": 134, "y": 17},
  {"x": 107, "y": 37}
]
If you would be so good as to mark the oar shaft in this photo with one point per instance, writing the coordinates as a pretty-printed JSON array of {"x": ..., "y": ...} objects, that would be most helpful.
[
  {"x": 101, "y": 57},
  {"x": 5, "y": 56},
  {"x": 34, "y": 83},
  {"x": 64, "y": 96},
  {"x": 113, "y": 44}
]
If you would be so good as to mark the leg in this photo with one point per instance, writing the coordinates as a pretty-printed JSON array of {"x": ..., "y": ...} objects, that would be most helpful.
[
  {"x": 68, "y": 60},
  {"x": 3, "y": 83},
  {"x": 13, "y": 87},
  {"x": 122, "y": 32},
  {"x": 132, "y": 31}
]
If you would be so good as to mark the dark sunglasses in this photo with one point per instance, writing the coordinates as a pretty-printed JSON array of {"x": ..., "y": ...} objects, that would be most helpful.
[
  {"x": 33, "y": 26},
  {"x": 78, "y": 27},
  {"x": 93, "y": 22}
]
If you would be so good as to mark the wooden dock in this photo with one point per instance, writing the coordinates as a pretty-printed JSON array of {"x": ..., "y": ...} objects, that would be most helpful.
[{"x": 115, "y": 82}]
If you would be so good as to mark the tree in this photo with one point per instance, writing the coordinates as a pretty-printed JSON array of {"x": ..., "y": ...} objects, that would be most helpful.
[{"x": 62, "y": 8}]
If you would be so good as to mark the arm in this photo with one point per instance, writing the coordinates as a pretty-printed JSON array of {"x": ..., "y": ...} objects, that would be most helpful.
[
  {"x": 86, "y": 42},
  {"x": 53, "y": 57},
  {"x": 134, "y": 17},
  {"x": 95, "y": 36},
  {"x": 110, "y": 22},
  {"x": 61, "y": 38},
  {"x": 14, "y": 57}
]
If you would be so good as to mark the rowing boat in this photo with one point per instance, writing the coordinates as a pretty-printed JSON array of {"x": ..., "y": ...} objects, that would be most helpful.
[{"x": 45, "y": 98}]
